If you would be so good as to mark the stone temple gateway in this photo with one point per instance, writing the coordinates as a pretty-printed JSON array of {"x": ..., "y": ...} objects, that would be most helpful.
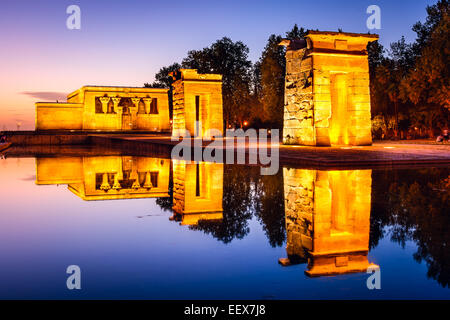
[
  {"x": 327, "y": 93},
  {"x": 326, "y": 103}
]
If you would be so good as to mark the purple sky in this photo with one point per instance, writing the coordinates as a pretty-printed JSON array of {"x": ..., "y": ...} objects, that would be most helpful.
[{"x": 126, "y": 42}]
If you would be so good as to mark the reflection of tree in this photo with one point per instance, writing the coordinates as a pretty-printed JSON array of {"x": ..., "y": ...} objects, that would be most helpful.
[
  {"x": 238, "y": 195},
  {"x": 270, "y": 207},
  {"x": 246, "y": 193},
  {"x": 166, "y": 203},
  {"x": 416, "y": 209},
  {"x": 407, "y": 205}
]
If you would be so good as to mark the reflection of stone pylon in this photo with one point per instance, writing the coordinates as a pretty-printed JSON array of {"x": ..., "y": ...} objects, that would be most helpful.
[
  {"x": 116, "y": 185},
  {"x": 148, "y": 181},
  {"x": 105, "y": 183},
  {"x": 327, "y": 216}
]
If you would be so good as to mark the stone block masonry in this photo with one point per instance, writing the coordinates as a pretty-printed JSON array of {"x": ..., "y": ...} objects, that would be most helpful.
[
  {"x": 197, "y": 103},
  {"x": 327, "y": 94},
  {"x": 328, "y": 219}
]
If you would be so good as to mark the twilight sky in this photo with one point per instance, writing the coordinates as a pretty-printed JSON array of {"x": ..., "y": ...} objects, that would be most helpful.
[{"x": 126, "y": 42}]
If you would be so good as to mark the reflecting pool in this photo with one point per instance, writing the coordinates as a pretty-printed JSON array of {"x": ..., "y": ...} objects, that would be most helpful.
[{"x": 153, "y": 228}]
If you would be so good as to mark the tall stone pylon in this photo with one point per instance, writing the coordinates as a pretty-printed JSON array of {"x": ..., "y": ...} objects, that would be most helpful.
[
  {"x": 197, "y": 104},
  {"x": 327, "y": 92}
]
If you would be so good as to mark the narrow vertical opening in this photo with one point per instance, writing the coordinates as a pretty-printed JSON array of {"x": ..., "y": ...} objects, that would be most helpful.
[
  {"x": 197, "y": 116},
  {"x": 197, "y": 180},
  {"x": 339, "y": 114}
]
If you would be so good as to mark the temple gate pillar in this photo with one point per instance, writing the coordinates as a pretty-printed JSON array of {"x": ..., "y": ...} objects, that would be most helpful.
[
  {"x": 197, "y": 103},
  {"x": 327, "y": 92}
]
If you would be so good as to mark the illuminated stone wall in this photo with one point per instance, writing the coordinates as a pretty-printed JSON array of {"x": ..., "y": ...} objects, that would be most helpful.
[
  {"x": 327, "y": 94},
  {"x": 108, "y": 109},
  {"x": 328, "y": 219},
  {"x": 197, "y": 97},
  {"x": 107, "y": 178},
  {"x": 197, "y": 191}
]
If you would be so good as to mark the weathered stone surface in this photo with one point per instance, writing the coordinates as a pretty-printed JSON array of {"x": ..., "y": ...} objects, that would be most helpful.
[
  {"x": 327, "y": 216},
  {"x": 327, "y": 88},
  {"x": 190, "y": 89}
]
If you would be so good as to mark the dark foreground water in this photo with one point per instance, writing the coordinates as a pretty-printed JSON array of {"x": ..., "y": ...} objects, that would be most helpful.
[{"x": 112, "y": 217}]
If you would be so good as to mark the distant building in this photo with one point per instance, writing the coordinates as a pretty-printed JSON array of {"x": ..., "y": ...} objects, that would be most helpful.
[{"x": 103, "y": 108}]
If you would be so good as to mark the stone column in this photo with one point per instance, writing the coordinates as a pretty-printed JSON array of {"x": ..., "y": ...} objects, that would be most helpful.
[
  {"x": 116, "y": 185},
  {"x": 105, "y": 184},
  {"x": 136, "y": 103},
  {"x": 116, "y": 101},
  {"x": 104, "y": 101},
  {"x": 147, "y": 102},
  {"x": 148, "y": 181},
  {"x": 134, "y": 111}
]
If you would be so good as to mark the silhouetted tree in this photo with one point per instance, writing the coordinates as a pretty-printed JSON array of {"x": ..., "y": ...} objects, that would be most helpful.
[
  {"x": 410, "y": 85},
  {"x": 272, "y": 65},
  {"x": 412, "y": 205},
  {"x": 230, "y": 59},
  {"x": 427, "y": 84},
  {"x": 269, "y": 207}
]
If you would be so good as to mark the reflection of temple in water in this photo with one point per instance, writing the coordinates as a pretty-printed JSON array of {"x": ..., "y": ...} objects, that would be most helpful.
[
  {"x": 107, "y": 178},
  {"x": 197, "y": 191},
  {"x": 327, "y": 220}
]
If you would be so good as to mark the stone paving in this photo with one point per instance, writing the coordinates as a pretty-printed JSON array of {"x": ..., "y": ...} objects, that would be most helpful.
[{"x": 380, "y": 153}]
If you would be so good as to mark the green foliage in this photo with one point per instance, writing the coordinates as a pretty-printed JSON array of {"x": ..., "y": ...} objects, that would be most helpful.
[
  {"x": 272, "y": 70},
  {"x": 295, "y": 33},
  {"x": 272, "y": 67},
  {"x": 413, "y": 204},
  {"x": 230, "y": 59},
  {"x": 411, "y": 82}
]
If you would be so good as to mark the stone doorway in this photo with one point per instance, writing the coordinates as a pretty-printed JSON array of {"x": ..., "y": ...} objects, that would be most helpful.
[
  {"x": 339, "y": 114},
  {"x": 127, "y": 122}
]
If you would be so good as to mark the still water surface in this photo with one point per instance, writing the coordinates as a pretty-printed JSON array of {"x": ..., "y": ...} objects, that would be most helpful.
[{"x": 227, "y": 234}]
